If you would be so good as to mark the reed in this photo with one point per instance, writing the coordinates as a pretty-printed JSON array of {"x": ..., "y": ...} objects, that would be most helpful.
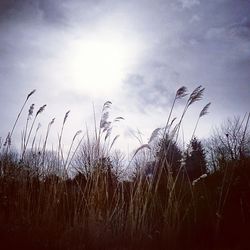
[{"x": 81, "y": 199}]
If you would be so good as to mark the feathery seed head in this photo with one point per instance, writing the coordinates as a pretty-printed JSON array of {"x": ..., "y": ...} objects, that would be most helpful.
[
  {"x": 7, "y": 141},
  {"x": 31, "y": 110},
  {"x": 204, "y": 111},
  {"x": 52, "y": 121},
  {"x": 104, "y": 119},
  {"x": 105, "y": 114},
  {"x": 203, "y": 176},
  {"x": 196, "y": 95},
  {"x": 30, "y": 94},
  {"x": 106, "y": 105},
  {"x": 117, "y": 119},
  {"x": 66, "y": 116},
  {"x": 106, "y": 126},
  {"x": 41, "y": 109},
  {"x": 154, "y": 134},
  {"x": 181, "y": 92}
]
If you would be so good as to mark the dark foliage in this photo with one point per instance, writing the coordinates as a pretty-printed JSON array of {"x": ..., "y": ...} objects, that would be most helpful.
[
  {"x": 195, "y": 161},
  {"x": 169, "y": 155}
]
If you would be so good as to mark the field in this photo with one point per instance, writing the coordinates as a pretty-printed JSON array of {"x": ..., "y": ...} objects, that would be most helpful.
[{"x": 198, "y": 198}]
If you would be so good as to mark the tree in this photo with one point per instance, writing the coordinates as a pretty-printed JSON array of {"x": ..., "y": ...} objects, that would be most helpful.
[
  {"x": 195, "y": 159},
  {"x": 229, "y": 143},
  {"x": 169, "y": 155}
]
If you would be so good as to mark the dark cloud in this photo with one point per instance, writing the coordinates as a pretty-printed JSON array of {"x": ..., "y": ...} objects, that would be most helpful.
[
  {"x": 51, "y": 11},
  {"x": 211, "y": 42},
  {"x": 241, "y": 29},
  {"x": 154, "y": 88}
]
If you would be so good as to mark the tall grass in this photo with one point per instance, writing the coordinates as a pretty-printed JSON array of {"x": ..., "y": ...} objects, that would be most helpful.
[{"x": 42, "y": 205}]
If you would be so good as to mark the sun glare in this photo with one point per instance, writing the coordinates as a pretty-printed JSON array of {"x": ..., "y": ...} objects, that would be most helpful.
[{"x": 97, "y": 66}]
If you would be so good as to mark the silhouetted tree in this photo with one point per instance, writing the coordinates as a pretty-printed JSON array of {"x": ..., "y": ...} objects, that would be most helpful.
[
  {"x": 195, "y": 159},
  {"x": 169, "y": 155},
  {"x": 229, "y": 143}
]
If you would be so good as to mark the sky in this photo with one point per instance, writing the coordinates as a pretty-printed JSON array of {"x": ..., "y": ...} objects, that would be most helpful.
[{"x": 78, "y": 54}]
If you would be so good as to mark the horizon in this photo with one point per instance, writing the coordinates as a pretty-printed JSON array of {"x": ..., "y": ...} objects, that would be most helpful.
[{"x": 80, "y": 54}]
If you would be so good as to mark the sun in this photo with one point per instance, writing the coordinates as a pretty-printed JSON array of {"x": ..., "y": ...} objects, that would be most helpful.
[{"x": 96, "y": 65}]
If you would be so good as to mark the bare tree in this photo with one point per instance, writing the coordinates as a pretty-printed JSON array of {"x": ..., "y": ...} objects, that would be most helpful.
[{"x": 230, "y": 142}]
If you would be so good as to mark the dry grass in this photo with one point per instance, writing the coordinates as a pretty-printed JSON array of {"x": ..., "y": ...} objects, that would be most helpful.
[{"x": 41, "y": 207}]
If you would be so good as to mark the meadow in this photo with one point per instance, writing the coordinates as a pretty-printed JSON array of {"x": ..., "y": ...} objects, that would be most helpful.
[{"x": 197, "y": 198}]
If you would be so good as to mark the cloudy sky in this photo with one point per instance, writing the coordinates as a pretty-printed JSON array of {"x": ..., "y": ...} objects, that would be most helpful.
[{"x": 81, "y": 53}]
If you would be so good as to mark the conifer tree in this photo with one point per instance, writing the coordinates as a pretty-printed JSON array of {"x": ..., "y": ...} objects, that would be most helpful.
[{"x": 195, "y": 159}]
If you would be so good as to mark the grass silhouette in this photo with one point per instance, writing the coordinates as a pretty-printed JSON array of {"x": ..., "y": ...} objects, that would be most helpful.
[{"x": 43, "y": 207}]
